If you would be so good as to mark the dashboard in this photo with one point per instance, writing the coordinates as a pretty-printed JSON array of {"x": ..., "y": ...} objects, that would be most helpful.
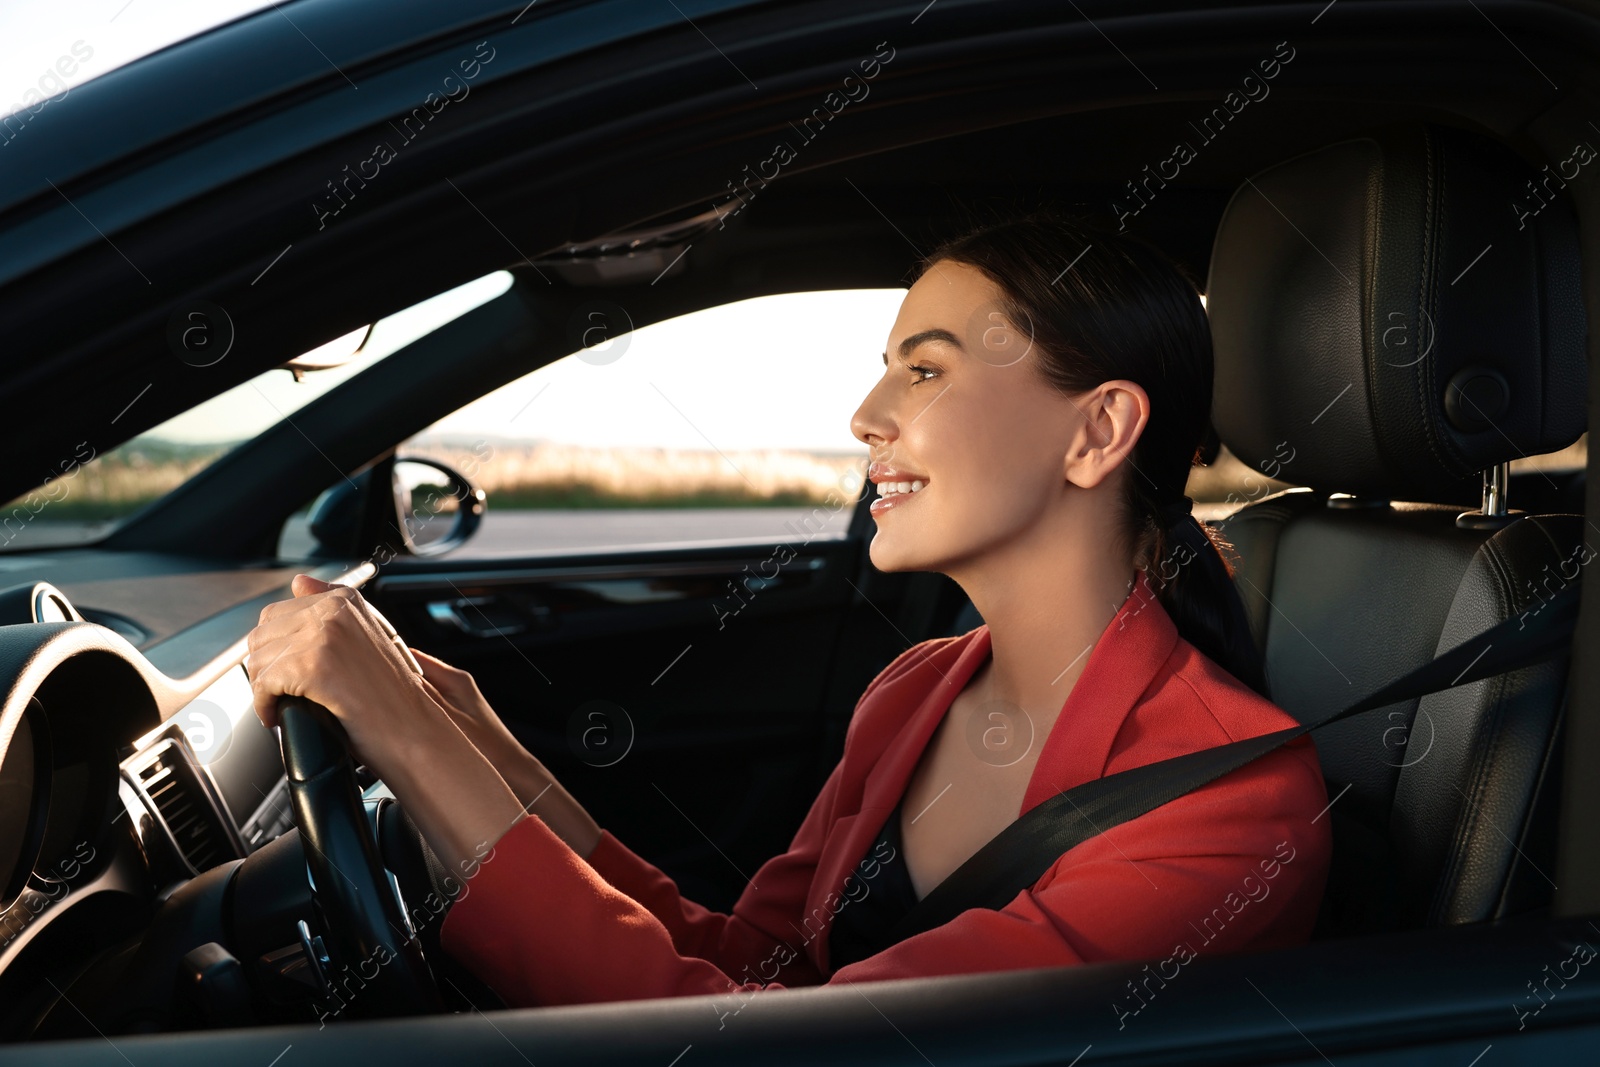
[
  {"x": 126, "y": 772},
  {"x": 210, "y": 780}
]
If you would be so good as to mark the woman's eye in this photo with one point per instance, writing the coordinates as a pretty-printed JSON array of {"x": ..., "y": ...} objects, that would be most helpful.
[{"x": 919, "y": 370}]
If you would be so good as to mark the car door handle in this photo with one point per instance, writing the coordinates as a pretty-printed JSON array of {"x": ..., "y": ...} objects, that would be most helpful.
[{"x": 479, "y": 616}]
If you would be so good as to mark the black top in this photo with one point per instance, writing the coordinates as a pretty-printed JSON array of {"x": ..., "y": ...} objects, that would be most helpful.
[{"x": 866, "y": 915}]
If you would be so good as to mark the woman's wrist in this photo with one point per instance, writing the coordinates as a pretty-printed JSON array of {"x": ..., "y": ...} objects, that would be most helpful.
[
  {"x": 456, "y": 797},
  {"x": 535, "y": 788},
  {"x": 541, "y": 795}
]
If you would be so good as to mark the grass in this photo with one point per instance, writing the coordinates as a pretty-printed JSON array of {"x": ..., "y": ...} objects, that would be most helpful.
[
  {"x": 116, "y": 483},
  {"x": 546, "y": 475},
  {"x": 515, "y": 476}
]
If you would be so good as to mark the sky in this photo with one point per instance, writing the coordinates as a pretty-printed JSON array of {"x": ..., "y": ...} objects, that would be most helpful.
[
  {"x": 36, "y": 34},
  {"x": 785, "y": 371}
]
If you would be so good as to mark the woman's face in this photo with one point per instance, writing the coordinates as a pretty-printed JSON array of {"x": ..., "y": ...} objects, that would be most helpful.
[{"x": 963, "y": 408}]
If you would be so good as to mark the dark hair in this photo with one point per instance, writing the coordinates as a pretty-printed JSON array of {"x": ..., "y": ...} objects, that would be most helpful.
[{"x": 1099, "y": 305}]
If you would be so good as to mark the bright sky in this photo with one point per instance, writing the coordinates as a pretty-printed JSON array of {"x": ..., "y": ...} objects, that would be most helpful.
[
  {"x": 783, "y": 371},
  {"x": 37, "y": 34},
  {"x": 774, "y": 372}
]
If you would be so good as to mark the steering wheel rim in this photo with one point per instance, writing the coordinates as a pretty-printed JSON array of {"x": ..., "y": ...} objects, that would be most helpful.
[{"x": 365, "y": 931}]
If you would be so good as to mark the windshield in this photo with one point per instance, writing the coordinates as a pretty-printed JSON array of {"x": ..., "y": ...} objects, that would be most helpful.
[{"x": 96, "y": 493}]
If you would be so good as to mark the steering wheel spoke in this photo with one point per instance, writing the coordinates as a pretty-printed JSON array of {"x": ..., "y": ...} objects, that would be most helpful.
[{"x": 374, "y": 959}]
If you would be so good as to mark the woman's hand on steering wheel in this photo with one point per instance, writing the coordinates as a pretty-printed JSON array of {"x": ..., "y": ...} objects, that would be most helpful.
[{"x": 328, "y": 646}]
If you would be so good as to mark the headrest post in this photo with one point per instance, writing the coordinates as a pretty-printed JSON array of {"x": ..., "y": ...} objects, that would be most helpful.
[
  {"x": 1494, "y": 513},
  {"x": 1496, "y": 480}
]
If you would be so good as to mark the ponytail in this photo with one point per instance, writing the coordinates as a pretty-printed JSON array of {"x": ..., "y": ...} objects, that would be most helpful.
[{"x": 1194, "y": 581}]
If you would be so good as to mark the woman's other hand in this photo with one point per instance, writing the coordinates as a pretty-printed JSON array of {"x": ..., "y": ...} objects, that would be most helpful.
[
  {"x": 458, "y": 691},
  {"x": 527, "y": 776}
]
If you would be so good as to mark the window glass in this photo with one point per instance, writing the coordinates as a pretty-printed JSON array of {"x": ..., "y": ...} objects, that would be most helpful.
[
  {"x": 1575, "y": 457},
  {"x": 1230, "y": 484},
  {"x": 93, "y": 493},
  {"x": 731, "y": 422}
]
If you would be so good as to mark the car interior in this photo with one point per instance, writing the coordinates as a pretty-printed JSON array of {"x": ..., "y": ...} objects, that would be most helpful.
[{"x": 1400, "y": 314}]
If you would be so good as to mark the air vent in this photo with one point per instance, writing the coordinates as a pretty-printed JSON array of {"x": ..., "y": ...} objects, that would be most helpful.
[{"x": 182, "y": 799}]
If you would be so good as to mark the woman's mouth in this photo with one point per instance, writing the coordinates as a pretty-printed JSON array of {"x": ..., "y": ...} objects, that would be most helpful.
[{"x": 895, "y": 494}]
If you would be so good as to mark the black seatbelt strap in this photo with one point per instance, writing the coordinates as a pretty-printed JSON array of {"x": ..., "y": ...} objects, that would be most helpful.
[{"x": 1019, "y": 855}]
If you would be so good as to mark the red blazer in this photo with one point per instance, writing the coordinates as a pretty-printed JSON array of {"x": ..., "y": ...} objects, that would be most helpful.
[{"x": 1238, "y": 863}]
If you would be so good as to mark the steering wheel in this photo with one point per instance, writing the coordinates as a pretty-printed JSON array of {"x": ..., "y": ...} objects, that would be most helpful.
[{"x": 366, "y": 931}]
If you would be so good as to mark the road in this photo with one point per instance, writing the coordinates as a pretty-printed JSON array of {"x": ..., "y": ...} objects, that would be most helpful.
[{"x": 511, "y": 533}]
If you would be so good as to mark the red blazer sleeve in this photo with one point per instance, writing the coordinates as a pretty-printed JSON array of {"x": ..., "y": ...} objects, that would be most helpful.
[
  {"x": 618, "y": 902},
  {"x": 738, "y": 943},
  {"x": 1239, "y": 862}
]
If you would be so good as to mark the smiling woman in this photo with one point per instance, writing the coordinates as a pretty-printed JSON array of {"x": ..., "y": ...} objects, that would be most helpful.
[{"x": 1048, "y": 391}]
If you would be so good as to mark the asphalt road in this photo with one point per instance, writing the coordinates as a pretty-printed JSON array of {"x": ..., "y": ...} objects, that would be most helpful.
[{"x": 512, "y": 533}]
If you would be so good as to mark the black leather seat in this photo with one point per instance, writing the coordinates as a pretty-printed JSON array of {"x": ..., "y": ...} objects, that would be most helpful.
[
  {"x": 1385, "y": 333},
  {"x": 1324, "y": 267}
]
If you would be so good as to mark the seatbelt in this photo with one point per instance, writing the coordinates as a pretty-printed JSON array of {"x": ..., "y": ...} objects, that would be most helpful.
[{"x": 1018, "y": 856}]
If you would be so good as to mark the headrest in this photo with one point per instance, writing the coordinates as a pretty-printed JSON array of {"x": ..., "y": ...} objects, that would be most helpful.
[{"x": 1396, "y": 313}]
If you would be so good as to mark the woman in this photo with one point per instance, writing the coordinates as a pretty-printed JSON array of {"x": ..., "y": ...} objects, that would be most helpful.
[{"x": 1046, "y": 389}]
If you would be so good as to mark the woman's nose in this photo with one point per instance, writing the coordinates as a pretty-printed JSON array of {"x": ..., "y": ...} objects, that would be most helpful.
[{"x": 871, "y": 424}]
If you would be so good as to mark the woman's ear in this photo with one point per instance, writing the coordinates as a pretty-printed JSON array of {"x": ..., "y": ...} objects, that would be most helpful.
[{"x": 1114, "y": 415}]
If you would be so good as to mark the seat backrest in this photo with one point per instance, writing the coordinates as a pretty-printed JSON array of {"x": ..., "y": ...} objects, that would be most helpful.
[{"x": 1386, "y": 328}]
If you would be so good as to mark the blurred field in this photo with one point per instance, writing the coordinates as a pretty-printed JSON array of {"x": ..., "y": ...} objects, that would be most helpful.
[
  {"x": 118, "y": 482},
  {"x": 515, "y": 475},
  {"x": 549, "y": 475}
]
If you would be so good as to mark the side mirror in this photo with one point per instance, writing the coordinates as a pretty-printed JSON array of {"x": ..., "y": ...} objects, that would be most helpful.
[
  {"x": 438, "y": 507},
  {"x": 435, "y": 508}
]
